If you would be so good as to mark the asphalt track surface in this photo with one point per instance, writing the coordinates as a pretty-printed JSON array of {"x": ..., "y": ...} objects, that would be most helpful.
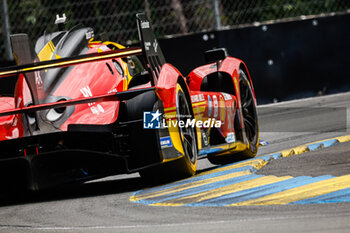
[{"x": 105, "y": 206}]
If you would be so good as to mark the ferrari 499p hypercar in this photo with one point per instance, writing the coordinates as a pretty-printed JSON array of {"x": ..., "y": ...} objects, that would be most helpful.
[{"x": 85, "y": 109}]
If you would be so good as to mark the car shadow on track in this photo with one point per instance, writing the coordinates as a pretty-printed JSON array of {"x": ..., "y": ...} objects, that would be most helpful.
[
  {"x": 96, "y": 188},
  {"x": 90, "y": 189}
]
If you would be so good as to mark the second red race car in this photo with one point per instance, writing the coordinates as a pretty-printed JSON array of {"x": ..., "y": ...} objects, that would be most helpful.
[{"x": 85, "y": 109}]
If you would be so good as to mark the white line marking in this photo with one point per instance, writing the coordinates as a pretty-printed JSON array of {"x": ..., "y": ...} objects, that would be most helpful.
[
  {"x": 303, "y": 100},
  {"x": 167, "y": 224}
]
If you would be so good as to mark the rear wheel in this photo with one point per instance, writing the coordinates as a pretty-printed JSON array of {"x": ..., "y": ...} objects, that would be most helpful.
[
  {"x": 186, "y": 165},
  {"x": 187, "y": 134},
  {"x": 251, "y": 124}
]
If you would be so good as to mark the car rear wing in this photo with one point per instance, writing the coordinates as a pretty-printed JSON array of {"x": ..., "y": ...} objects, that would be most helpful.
[
  {"x": 64, "y": 62},
  {"x": 152, "y": 52},
  {"x": 70, "y": 61},
  {"x": 119, "y": 96}
]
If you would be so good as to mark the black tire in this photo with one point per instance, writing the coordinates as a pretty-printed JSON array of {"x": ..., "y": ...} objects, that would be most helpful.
[
  {"x": 187, "y": 165},
  {"x": 250, "y": 116},
  {"x": 251, "y": 124}
]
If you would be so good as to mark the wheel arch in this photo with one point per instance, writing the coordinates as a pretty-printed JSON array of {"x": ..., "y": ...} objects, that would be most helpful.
[
  {"x": 166, "y": 85},
  {"x": 243, "y": 67},
  {"x": 166, "y": 89}
]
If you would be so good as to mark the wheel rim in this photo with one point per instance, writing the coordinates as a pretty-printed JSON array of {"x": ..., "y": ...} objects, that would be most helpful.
[
  {"x": 186, "y": 133},
  {"x": 248, "y": 110}
]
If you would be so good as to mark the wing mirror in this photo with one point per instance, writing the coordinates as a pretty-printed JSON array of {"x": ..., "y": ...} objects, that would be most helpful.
[{"x": 215, "y": 55}]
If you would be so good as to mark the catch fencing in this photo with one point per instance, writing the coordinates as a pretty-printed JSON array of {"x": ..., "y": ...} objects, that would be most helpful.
[{"x": 116, "y": 18}]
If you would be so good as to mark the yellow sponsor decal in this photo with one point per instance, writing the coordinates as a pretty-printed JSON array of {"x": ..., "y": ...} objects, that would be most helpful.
[
  {"x": 199, "y": 103},
  {"x": 198, "y": 110},
  {"x": 222, "y": 109},
  {"x": 170, "y": 109}
]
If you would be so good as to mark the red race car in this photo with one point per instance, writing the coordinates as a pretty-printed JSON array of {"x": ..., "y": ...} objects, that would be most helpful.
[{"x": 85, "y": 109}]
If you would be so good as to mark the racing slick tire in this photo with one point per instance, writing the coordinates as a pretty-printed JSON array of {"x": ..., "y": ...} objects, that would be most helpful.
[
  {"x": 251, "y": 124},
  {"x": 186, "y": 165}
]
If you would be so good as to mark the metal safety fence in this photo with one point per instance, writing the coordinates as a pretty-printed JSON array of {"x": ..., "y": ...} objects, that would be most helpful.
[{"x": 116, "y": 18}]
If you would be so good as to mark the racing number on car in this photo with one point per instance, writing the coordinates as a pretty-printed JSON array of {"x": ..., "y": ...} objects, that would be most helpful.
[{"x": 95, "y": 109}]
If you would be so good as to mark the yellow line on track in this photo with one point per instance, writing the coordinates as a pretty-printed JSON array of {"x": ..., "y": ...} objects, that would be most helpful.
[
  {"x": 302, "y": 192},
  {"x": 284, "y": 197},
  {"x": 345, "y": 138},
  {"x": 189, "y": 185},
  {"x": 214, "y": 193},
  {"x": 294, "y": 151},
  {"x": 256, "y": 163}
]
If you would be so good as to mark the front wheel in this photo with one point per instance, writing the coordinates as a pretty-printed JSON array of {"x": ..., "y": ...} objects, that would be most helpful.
[
  {"x": 250, "y": 116},
  {"x": 251, "y": 124}
]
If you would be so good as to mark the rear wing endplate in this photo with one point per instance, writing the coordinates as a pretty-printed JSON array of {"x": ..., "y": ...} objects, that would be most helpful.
[{"x": 153, "y": 54}]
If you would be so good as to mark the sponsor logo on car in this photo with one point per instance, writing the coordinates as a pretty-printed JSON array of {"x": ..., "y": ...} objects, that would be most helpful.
[
  {"x": 216, "y": 105},
  {"x": 222, "y": 109},
  {"x": 210, "y": 106},
  {"x": 197, "y": 98},
  {"x": 145, "y": 25},
  {"x": 95, "y": 108},
  {"x": 205, "y": 139},
  {"x": 231, "y": 137},
  {"x": 155, "y": 46},
  {"x": 147, "y": 45},
  {"x": 166, "y": 142},
  {"x": 226, "y": 96}
]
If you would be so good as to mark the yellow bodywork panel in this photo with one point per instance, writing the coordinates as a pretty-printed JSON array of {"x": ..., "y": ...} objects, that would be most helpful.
[
  {"x": 46, "y": 53},
  {"x": 123, "y": 64}
]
